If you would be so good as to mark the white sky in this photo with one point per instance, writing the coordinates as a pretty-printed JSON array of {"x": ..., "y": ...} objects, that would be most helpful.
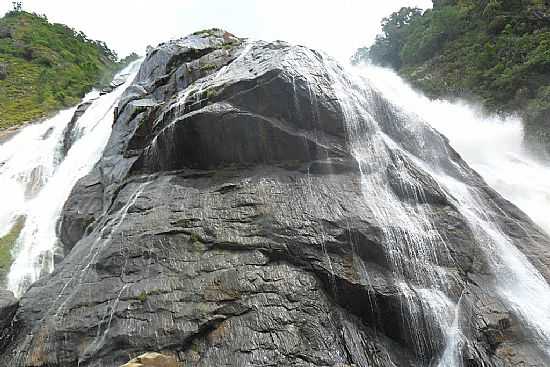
[{"x": 337, "y": 27}]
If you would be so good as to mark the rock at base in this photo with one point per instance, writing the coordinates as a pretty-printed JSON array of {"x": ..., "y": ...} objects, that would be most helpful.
[
  {"x": 8, "y": 307},
  {"x": 152, "y": 360}
]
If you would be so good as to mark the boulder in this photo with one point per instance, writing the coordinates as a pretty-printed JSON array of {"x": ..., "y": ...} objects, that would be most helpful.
[
  {"x": 117, "y": 82},
  {"x": 152, "y": 360},
  {"x": 71, "y": 133}
]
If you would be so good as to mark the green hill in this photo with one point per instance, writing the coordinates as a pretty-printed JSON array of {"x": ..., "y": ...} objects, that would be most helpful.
[
  {"x": 493, "y": 51},
  {"x": 45, "y": 67}
]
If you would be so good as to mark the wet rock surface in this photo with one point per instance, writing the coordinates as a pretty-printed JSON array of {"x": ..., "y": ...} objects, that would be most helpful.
[
  {"x": 71, "y": 134},
  {"x": 226, "y": 225},
  {"x": 8, "y": 307}
]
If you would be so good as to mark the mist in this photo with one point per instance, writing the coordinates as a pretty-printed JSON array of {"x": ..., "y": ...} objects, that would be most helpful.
[{"x": 492, "y": 145}]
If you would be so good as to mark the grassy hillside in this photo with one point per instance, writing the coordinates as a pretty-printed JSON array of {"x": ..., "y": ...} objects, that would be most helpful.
[
  {"x": 493, "y": 51},
  {"x": 45, "y": 66}
]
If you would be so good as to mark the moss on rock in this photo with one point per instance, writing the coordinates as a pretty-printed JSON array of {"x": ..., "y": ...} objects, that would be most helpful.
[{"x": 7, "y": 243}]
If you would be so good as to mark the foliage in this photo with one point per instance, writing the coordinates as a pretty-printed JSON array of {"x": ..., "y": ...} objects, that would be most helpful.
[
  {"x": 49, "y": 66},
  {"x": 17, "y": 6},
  {"x": 142, "y": 296},
  {"x": 6, "y": 245},
  {"x": 208, "y": 67},
  {"x": 387, "y": 47},
  {"x": 128, "y": 60},
  {"x": 195, "y": 238},
  {"x": 494, "y": 50}
]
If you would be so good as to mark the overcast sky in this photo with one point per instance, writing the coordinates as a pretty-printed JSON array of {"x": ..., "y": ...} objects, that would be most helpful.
[{"x": 337, "y": 27}]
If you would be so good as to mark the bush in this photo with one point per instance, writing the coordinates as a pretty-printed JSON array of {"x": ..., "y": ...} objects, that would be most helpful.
[{"x": 386, "y": 50}]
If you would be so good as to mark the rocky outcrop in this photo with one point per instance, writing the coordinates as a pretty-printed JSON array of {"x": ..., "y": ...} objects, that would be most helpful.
[
  {"x": 8, "y": 307},
  {"x": 152, "y": 360},
  {"x": 117, "y": 82},
  {"x": 72, "y": 133},
  {"x": 227, "y": 224}
]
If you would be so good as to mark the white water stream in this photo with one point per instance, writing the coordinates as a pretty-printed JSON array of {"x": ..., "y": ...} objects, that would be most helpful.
[
  {"x": 491, "y": 145},
  {"x": 36, "y": 180}
]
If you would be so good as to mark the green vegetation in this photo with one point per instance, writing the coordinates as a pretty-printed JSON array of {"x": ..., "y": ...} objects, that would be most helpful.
[
  {"x": 229, "y": 44},
  {"x": 208, "y": 67},
  {"x": 6, "y": 245},
  {"x": 495, "y": 51},
  {"x": 208, "y": 32},
  {"x": 45, "y": 67},
  {"x": 212, "y": 93},
  {"x": 195, "y": 238},
  {"x": 230, "y": 40},
  {"x": 142, "y": 297}
]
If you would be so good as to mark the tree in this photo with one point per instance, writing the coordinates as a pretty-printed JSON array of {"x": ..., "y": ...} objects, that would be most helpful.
[
  {"x": 387, "y": 47},
  {"x": 17, "y": 6},
  {"x": 399, "y": 19}
]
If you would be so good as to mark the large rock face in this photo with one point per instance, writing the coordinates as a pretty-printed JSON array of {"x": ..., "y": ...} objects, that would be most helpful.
[{"x": 228, "y": 224}]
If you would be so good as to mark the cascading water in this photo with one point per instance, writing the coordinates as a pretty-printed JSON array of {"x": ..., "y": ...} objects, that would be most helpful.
[
  {"x": 492, "y": 145},
  {"x": 412, "y": 243},
  {"x": 402, "y": 162},
  {"x": 38, "y": 180}
]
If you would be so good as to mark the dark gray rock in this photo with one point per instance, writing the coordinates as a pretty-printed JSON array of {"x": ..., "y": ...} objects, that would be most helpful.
[
  {"x": 117, "y": 82},
  {"x": 226, "y": 224},
  {"x": 8, "y": 307},
  {"x": 82, "y": 209},
  {"x": 71, "y": 133}
]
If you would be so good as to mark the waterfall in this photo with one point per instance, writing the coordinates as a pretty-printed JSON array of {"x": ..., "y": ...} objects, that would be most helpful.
[
  {"x": 413, "y": 245},
  {"x": 493, "y": 147},
  {"x": 407, "y": 174},
  {"x": 36, "y": 177}
]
